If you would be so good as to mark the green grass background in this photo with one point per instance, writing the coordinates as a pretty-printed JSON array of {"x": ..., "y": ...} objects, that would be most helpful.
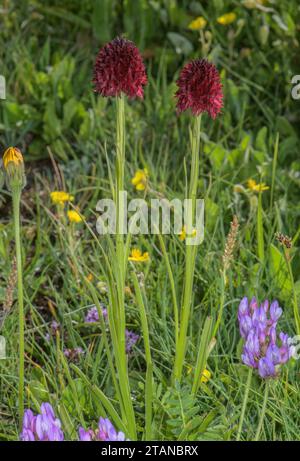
[{"x": 47, "y": 50}]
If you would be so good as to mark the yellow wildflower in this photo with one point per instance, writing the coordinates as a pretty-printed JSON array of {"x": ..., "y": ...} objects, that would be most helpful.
[
  {"x": 14, "y": 155},
  {"x": 60, "y": 197},
  {"x": 140, "y": 179},
  {"x": 206, "y": 375},
  {"x": 252, "y": 185},
  {"x": 137, "y": 256},
  {"x": 198, "y": 23},
  {"x": 74, "y": 216},
  {"x": 183, "y": 235},
  {"x": 227, "y": 19},
  {"x": 90, "y": 277}
]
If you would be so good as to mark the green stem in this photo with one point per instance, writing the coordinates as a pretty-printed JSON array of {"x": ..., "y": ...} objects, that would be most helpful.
[
  {"x": 275, "y": 156},
  {"x": 190, "y": 260},
  {"x": 149, "y": 371},
  {"x": 16, "y": 197},
  {"x": 260, "y": 230},
  {"x": 295, "y": 300},
  {"x": 120, "y": 253},
  {"x": 248, "y": 384},
  {"x": 120, "y": 321},
  {"x": 172, "y": 283},
  {"x": 263, "y": 412},
  {"x": 222, "y": 301}
]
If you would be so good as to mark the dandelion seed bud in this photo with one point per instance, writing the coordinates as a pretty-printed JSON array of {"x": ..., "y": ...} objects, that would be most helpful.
[
  {"x": 13, "y": 165},
  {"x": 264, "y": 34},
  {"x": 239, "y": 189}
]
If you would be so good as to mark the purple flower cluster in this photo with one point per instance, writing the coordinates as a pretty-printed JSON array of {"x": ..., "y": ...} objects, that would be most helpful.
[
  {"x": 54, "y": 328},
  {"x": 131, "y": 339},
  {"x": 42, "y": 427},
  {"x": 73, "y": 354},
  {"x": 93, "y": 316},
  {"x": 258, "y": 328},
  {"x": 105, "y": 433}
]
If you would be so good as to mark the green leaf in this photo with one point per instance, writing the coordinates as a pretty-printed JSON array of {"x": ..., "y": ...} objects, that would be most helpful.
[
  {"x": 261, "y": 139},
  {"x": 279, "y": 271}
]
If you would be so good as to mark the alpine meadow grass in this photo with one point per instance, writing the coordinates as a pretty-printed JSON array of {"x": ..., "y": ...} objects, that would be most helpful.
[{"x": 114, "y": 326}]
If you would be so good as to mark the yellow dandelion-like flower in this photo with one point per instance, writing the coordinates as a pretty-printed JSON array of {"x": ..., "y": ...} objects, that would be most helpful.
[
  {"x": 14, "y": 155},
  {"x": 198, "y": 23},
  {"x": 255, "y": 187},
  {"x": 137, "y": 256},
  {"x": 140, "y": 179},
  {"x": 182, "y": 235},
  {"x": 206, "y": 375},
  {"x": 90, "y": 277},
  {"x": 61, "y": 197},
  {"x": 74, "y": 216},
  {"x": 227, "y": 19}
]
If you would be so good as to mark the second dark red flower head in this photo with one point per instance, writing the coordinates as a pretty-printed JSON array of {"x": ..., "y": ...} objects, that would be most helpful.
[{"x": 119, "y": 68}]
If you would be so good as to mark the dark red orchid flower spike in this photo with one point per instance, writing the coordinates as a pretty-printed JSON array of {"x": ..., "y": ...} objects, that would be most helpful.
[
  {"x": 119, "y": 68},
  {"x": 199, "y": 88}
]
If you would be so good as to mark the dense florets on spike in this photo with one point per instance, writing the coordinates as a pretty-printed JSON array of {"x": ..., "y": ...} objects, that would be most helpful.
[
  {"x": 199, "y": 88},
  {"x": 119, "y": 68}
]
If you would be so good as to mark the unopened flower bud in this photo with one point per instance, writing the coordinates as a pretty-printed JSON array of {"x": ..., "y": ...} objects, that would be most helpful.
[{"x": 13, "y": 165}]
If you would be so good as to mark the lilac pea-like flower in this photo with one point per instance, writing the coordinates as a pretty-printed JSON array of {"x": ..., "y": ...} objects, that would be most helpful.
[
  {"x": 259, "y": 316},
  {"x": 261, "y": 350},
  {"x": 42, "y": 427},
  {"x": 244, "y": 317},
  {"x": 28, "y": 429},
  {"x": 48, "y": 427},
  {"x": 249, "y": 359},
  {"x": 85, "y": 436},
  {"x": 245, "y": 326},
  {"x": 272, "y": 335},
  {"x": 265, "y": 305},
  {"x": 285, "y": 350},
  {"x": 243, "y": 308},
  {"x": 108, "y": 433},
  {"x": 252, "y": 344},
  {"x": 253, "y": 304},
  {"x": 266, "y": 368},
  {"x": 275, "y": 312}
]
